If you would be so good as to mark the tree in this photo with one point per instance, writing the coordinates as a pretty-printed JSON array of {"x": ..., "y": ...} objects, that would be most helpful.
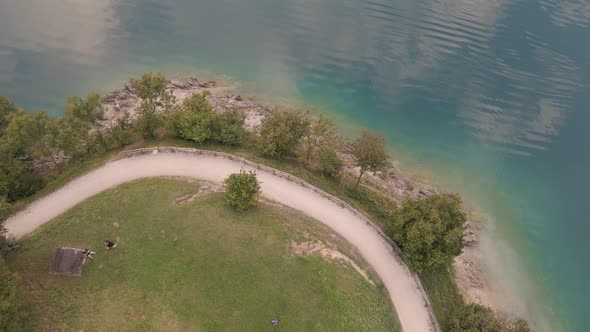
[
  {"x": 122, "y": 131},
  {"x": 322, "y": 132},
  {"x": 478, "y": 318},
  {"x": 193, "y": 119},
  {"x": 77, "y": 131},
  {"x": 6, "y": 108},
  {"x": 27, "y": 134},
  {"x": 429, "y": 230},
  {"x": 6, "y": 243},
  {"x": 327, "y": 161},
  {"x": 228, "y": 127},
  {"x": 89, "y": 109},
  {"x": 148, "y": 120},
  {"x": 282, "y": 132},
  {"x": 370, "y": 154},
  {"x": 17, "y": 179},
  {"x": 14, "y": 315},
  {"x": 151, "y": 88},
  {"x": 474, "y": 318},
  {"x": 72, "y": 136},
  {"x": 242, "y": 190}
]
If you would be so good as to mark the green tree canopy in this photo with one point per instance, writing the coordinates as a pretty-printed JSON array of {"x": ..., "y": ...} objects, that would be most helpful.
[
  {"x": 478, "y": 318},
  {"x": 228, "y": 127},
  {"x": 89, "y": 109},
  {"x": 193, "y": 120},
  {"x": 327, "y": 161},
  {"x": 6, "y": 107},
  {"x": 242, "y": 190},
  {"x": 322, "y": 132},
  {"x": 151, "y": 88},
  {"x": 26, "y": 133},
  {"x": 282, "y": 132},
  {"x": 370, "y": 153},
  {"x": 430, "y": 230}
]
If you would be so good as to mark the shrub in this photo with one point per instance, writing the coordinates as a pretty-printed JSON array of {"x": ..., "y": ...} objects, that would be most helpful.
[
  {"x": 474, "y": 318},
  {"x": 242, "y": 190},
  {"x": 429, "y": 230},
  {"x": 6, "y": 244},
  {"x": 26, "y": 184},
  {"x": 478, "y": 318},
  {"x": 6, "y": 107},
  {"x": 282, "y": 132},
  {"x": 228, "y": 128},
  {"x": 193, "y": 119},
  {"x": 148, "y": 120},
  {"x": 13, "y": 309},
  {"x": 151, "y": 87},
  {"x": 122, "y": 132},
  {"x": 322, "y": 132},
  {"x": 327, "y": 161}
]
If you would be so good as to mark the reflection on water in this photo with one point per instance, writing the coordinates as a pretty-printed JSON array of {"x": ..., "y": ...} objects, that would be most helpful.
[{"x": 494, "y": 90}]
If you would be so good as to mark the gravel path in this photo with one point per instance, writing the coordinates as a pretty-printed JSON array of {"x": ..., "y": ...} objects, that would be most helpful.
[{"x": 403, "y": 290}]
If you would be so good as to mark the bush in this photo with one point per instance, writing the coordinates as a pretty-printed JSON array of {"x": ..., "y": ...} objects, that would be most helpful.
[
  {"x": 242, "y": 190},
  {"x": 13, "y": 308},
  {"x": 17, "y": 178},
  {"x": 228, "y": 128},
  {"x": 26, "y": 185},
  {"x": 151, "y": 87},
  {"x": 429, "y": 230},
  {"x": 282, "y": 132},
  {"x": 122, "y": 132},
  {"x": 327, "y": 161},
  {"x": 193, "y": 120},
  {"x": 6, "y": 107},
  {"x": 474, "y": 318},
  {"x": 478, "y": 318},
  {"x": 148, "y": 120},
  {"x": 6, "y": 244},
  {"x": 370, "y": 153}
]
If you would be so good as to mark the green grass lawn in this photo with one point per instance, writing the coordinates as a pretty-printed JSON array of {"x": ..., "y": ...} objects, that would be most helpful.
[{"x": 194, "y": 266}]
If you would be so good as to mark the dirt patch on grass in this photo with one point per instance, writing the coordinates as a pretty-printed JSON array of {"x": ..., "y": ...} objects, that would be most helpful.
[
  {"x": 203, "y": 188},
  {"x": 328, "y": 253}
]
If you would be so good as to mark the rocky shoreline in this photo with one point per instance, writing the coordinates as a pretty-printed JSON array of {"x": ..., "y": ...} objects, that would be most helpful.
[{"x": 469, "y": 275}]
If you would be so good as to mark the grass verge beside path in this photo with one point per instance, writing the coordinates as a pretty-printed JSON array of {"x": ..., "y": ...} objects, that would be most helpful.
[
  {"x": 440, "y": 286},
  {"x": 195, "y": 265}
]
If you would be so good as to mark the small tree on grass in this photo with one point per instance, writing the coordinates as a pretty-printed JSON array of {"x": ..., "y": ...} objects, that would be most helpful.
[
  {"x": 282, "y": 132},
  {"x": 370, "y": 153},
  {"x": 242, "y": 190},
  {"x": 430, "y": 230}
]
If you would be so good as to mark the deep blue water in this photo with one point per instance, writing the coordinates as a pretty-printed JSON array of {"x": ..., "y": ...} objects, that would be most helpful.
[{"x": 486, "y": 97}]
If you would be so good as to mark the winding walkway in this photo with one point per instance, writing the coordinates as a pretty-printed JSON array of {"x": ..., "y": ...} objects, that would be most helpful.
[{"x": 403, "y": 288}]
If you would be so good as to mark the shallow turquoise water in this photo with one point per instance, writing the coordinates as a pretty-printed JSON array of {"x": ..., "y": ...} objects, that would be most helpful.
[{"x": 490, "y": 98}]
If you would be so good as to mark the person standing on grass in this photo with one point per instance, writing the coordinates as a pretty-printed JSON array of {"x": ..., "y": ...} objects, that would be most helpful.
[{"x": 110, "y": 244}]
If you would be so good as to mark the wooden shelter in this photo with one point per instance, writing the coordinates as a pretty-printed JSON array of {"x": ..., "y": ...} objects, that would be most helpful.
[{"x": 68, "y": 262}]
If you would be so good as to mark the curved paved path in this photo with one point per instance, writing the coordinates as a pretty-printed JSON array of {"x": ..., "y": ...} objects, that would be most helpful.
[{"x": 403, "y": 290}]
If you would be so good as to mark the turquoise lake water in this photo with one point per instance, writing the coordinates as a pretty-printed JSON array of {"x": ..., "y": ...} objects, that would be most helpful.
[{"x": 486, "y": 97}]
